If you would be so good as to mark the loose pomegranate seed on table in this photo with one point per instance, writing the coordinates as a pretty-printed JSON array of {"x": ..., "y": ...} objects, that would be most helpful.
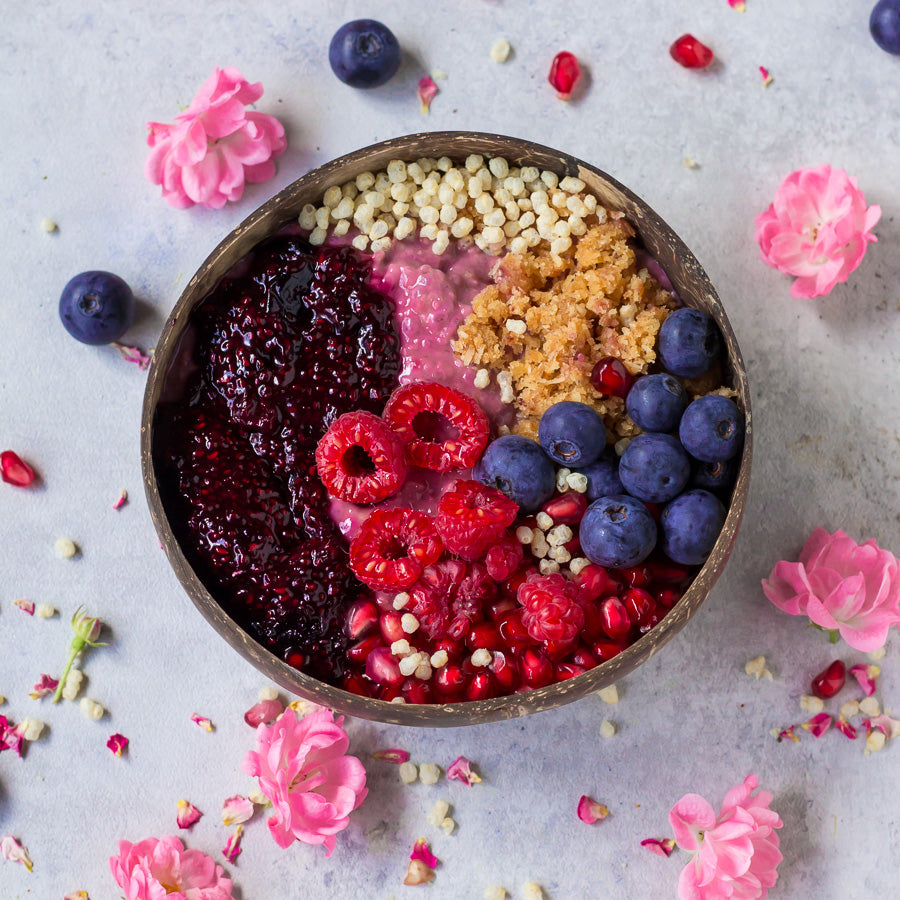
[
  {"x": 14, "y": 471},
  {"x": 830, "y": 680},
  {"x": 687, "y": 51},
  {"x": 564, "y": 74}
]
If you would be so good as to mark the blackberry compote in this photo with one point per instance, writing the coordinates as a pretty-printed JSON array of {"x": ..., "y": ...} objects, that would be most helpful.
[{"x": 289, "y": 340}]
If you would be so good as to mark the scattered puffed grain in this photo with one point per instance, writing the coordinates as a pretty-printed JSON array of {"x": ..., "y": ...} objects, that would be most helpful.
[
  {"x": 757, "y": 668},
  {"x": 342, "y": 227},
  {"x": 307, "y": 217},
  {"x": 398, "y": 700},
  {"x": 516, "y": 326},
  {"x": 360, "y": 242},
  {"x": 870, "y": 707},
  {"x": 400, "y": 600},
  {"x": 875, "y": 741},
  {"x": 438, "y": 813},
  {"x": 560, "y": 554},
  {"x": 73, "y": 684},
  {"x": 539, "y": 545},
  {"x": 811, "y": 704},
  {"x": 524, "y": 534},
  {"x": 577, "y": 564},
  {"x": 495, "y": 892},
  {"x": 482, "y": 378},
  {"x": 409, "y": 664},
  {"x": 607, "y": 729},
  {"x": 543, "y": 520},
  {"x": 500, "y": 50},
  {"x": 559, "y": 535},
  {"x": 423, "y": 670},
  {"x": 91, "y": 709},
  {"x": 609, "y": 694},
  {"x": 499, "y": 167},
  {"x": 409, "y": 623},
  {"x": 481, "y": 657},
  {"x": 44, "y": 611},
  {"x": 400, "y": 648},
  {"x": 448, "y": 825},
  {"x": 439, "y": 658},
  {"x": 877, "y": 654},
  {"x": 31, "y": 728},
  {"x": 690, "y": 162},
  {"x": 317, "y": 236},
  {"x": 621, "y": 445},
  {"x": 850, "y": 709},
  {"x": 408, "y": 772},
  {"x": 531, "y": 890},
  {"x": 577, "y": 482},
  {"x": 48, "y": 225},
  {"x": 429, "y": 773},
  {"x": 548, "y": 566},
  {"x": 65, "y": 548},
  {"x": 269, "y": 692}
]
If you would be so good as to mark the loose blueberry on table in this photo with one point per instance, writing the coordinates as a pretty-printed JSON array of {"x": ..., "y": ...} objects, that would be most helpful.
[{"x": 388, "y": 513}]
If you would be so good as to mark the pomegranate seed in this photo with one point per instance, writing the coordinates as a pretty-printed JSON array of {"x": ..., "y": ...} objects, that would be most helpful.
[
  {"x": 593, "y": 582},
  {"x": 391, "y": 627},
  {"x": 829, "y": 681},
  {"x": 584, "y": 658},
  {"x": 513, "y": 630},
  {"x": 417, "y": 691},
  {"x": 484, "y": 636},
  {"x": 564, "y": 74},
  {"x": 668, "y": 572},
  {"x": 611, "y": 378},
  {"x": 295, "y": 659},
  {"x": 537, "y": 670},
  {"x": 506, "y": 671},
  {"x": 605, "y": 650},
  {"x": 389, "y": 691},
  {"x": 639, "y": 604},
  {"x": 568, "y": 670},
  {"x": 636, "y": 576},
  {"x": 616, "y": 622},
  {"x": 360, "y": 651},
  {"x": 14, "y": 471},
  {"x": 512, "y": 584},
  {"x": 566, "y": 509},
  {"x": 382, "y": 667},
  {"x": 450, "y": 646},
  {"x": 557, "y": 650},
  {"x": 690, "y": 53},
  {"x": 574, "y": 547},
  {"x": 501, "y": 607},
  {"x": 356, "y": 684},
  {"x": 361, "y": 618},
  {"x": 480, "y": 687},
  {"x": 667, "y": 597},
  {"x": 449, "y": 681},
  {"x": 593, "y": 620},
  {"x": 650, "y": 621}
]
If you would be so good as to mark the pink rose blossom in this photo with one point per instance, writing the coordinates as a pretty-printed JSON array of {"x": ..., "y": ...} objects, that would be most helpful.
[
  {"x": 736, "y": 854},
  {"x": 215, "y": 145},
  {"x": 303, "y": 769},
  {"x": 817, "y": 228},
  {"x": 159, "y": 868},
  {"x": 842, "y": 585}
]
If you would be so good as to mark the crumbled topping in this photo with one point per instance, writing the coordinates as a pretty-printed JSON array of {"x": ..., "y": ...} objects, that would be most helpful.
[
  {"x": 500, "y": 50},
  {"x": 91, "y": 709},
  {"x": 65, "y": 548},
  {"x": 408, "y": 772},
  {"x": 757, "y": 668},
  {"x": 429, "y": 773},
  {"x": 609, "y": 694},
  {"x": 607, "y": 729}
]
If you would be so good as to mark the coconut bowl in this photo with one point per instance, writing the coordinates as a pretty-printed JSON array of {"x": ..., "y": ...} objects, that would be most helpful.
[{"x": 658, "y": 239}]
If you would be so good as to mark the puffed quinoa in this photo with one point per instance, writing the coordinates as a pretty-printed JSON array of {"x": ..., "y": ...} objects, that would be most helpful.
[
  {"x": 495, "y": 892},
  {"x": 398, "y": 700},
  {"x": 65, "y": 548},
  {"x": 269, "y": 692},
  {"x": 73, "y": 684},
  {"x": 531, "y": 890},
  {"x": 44, "y": 611},
  {"x": 423, "y": 670},
  {"x": 48, "y": 225},
  {"x": 439, "y": 658},
  {"x": 317, "y": 236},
  {"x": 481, "y": 658},
  {"x": 577, "y": 564},
  {"x": 408, "y": 772},
  {"x": 577, "y": 482},
  {"x": 516, "y": 326},
  {"x": 409, "y": 664},
  {"x": 539, "y": 545},
  {"x": 500, "y": 50},
  {"x": 548, "y": 566},
  {"x": 400, "y": 648},
  {"x": 559, "y": 535},
  {"x": 875, "y": 741},
  {"x": 32, "y": 728},
  {"x": 560, "y": 554},
  {"x": 341, "y": 228},
  {"x": 429, "y": 773},
  {"x": 607, "y": 729},
  {"x": 850, "y": 709},
  {"x": 91, "y": 709},
  {"x": 400, "y": 600},
  {"x": 438, "y": 813},
  {"x": 811, "y": 704},
  {"x": 524, "y": 534},
  {"x": 869, "y": 706},
  {"x": 307, "y": 217},
  {"x": 409, "y": 623},
  {"x": 543, "y": 520},
  {"x": 2, "y": 699},
  {"x": 609, "y": 694},
  {"x": 621, "y": 445},
  {"x": 877, "y": 654},
  {"x": 360, "y": 242},
  {"x": 499, "y": 167},
  {"x": 448, "y": 825},
  {"x": 757, "y": 668}
]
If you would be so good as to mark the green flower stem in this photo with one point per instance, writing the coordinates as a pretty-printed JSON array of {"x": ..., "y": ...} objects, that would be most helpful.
[{"x": 77, "y": 645}]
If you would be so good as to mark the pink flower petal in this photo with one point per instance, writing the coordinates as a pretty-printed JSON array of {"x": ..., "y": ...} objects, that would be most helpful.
[
  {"x": 264, "y": 713},
  {"x": 461, "y": 770},
  {"x": 590, "y": 811},
  {"x": 691, "y": 814},
  {"x": 788, "y": 733},
  {"x": 46, "y": 685},
  {"x": 133, "y": 355},
  {"x": 187, "y": 815},
  {"x": 236, "y": 810},
  {"x": 232, "y": 848},
  {"x": 202, "y": 721},
  {"x": 818, "y": 724},
  {"x": 738, "y": 5},
  {"x": 660, "y": 846},
  {"x": 846, "y": 728},
  {"x": 884, "y": 723},
  {"x": 867, "y": 676},
  {"x": 27, "y": 606},
  {"x": 123, "y": 499},
  {"x": 426, "y": 90},
  {"x": 766, "y": 77},
  {"x": 11, "y": 736},
  {"x": 422, "y": 852},
  {"x": 393, "y": 755},
  {"x": 118, "y": 743},
  {"x": 12, "y": 850}
]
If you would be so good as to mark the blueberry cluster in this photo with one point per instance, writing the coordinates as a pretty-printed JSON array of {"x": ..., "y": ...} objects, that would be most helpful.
[{"x": 684, "y": 458}]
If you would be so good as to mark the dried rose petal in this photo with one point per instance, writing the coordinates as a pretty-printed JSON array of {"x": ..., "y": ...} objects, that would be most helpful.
[
  {"x": 845, "y": 728},
  {"x": 884, "y": 723},
  {"x": 11, "y": 736},
  {"x": 461, "y": 770},
  {"x": 426, "y": 90},
  {"x": 118, "y": 743},
  {"x": 187, "y": 814},
  {"x": 867, "y": 676},
  {"x": 133, "y": 355},
  {"x": 12, "y": 850},
  {"x": 787, "y": 733},
  {"x": 422, "y": 852},
  {"x": 660, "y": 846},
  {"x": 123, "y": 499},
  {"x": 818, "y": 725},
  {"x": 418, "y": 873},
  {"x": 766, "y": 77},
  {"x": 236, "y": 810},
  {"x": 738, "y": 5},
  {"x": 392, "y": 755},
  {"x": 564, "y": 74},
  {"x": 45, "y": 686},
  {"x": 263, "y": 713},
  {"x": 590, "y": 810},
  {"x": 14, "y": 471},
  {"x": 27, "y": 606},
  {"x": 202, "y": 721},
  {"x": 232, "y": 848}
]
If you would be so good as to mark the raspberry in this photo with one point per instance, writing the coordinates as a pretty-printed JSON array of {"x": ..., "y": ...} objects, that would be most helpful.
[
  {"x": 472, "y": 517},
  {"x": 551, "y": 609},
  {"x": 504, "y": 557},
  {"x": 442, "y": 428},
  {"x": 392, "y": 548},
  {"x": 449, "y": 597},
  {"x": 360, "y": 459}
]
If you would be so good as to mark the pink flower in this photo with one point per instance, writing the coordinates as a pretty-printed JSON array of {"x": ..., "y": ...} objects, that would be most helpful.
[
  {"x": 842, "y": 585},
  {"x": 215, "y": 145},
  {"x": 817, "y": 228},
  {"x": 303, "y": 769},
  {"x": 159, "y": 868},
  {"x": 736, "y": 854}
]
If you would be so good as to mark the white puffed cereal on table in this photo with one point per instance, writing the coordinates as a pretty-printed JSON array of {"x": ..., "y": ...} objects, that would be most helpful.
[
  {"x": 499, "y": 167},
  {"x": 438, "y": 813},
  {"x": 875, "y": 741},
  {"x": 65, "y": 548},
  {"x": 500, "y": 50},
  {"x": 429, "y": 773},
  {"x": 398, "y": 699},
  {"x": 531, "y": 890},
  {"x": 269, "y": 692},
  {"x": 811, "y": 704},
  {"x": 307, "y": 217},
  {"x": 409, "y": 623},
  {"x": 850, "y": 709},
  {"x": 609, "y": 695},
  {"x": 495, "y": 892},
  {"x": 607, "y": 729},
  {"x": 869, "y": 706},
  {"x": 91, "y": 709},
  {"x": 44, "y": 611},
  {"x": 73, "y": 684},
  {"x": 408, "y": 772},
  {"x": 448, "y": 825},
  {"x": 31, "y": 728},
  {"x": 572, "y": 185}
]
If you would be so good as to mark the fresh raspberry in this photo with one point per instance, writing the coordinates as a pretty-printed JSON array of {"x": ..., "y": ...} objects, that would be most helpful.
[
  {"x": 392, "y": 548},
  {"x": 504, "y": 557},
  {"x": 472, "y": 517},
  {"x": 551, "y": 609},
  {"x": 442, "y": 428},
  {"x": 360, "y": 459},
  {"x": 450, "y": 597}
]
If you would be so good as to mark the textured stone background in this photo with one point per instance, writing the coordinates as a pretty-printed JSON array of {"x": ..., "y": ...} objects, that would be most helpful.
[{"x": 80, "y": 79}]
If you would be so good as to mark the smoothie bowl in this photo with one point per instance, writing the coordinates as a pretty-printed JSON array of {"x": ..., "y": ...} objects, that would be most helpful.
[{"x": 453, "y": 429}]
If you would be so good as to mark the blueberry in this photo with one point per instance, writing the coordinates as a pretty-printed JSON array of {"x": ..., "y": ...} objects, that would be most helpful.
[
  {"x": 364, "y": 53},
  {"x": 654, "y": 467},
  {"x": 518, "y": 467},
  {"x": 690, "y": 525},
  {"x": 714, "y": 476},
  {"x": 572, "y": 434},
  {"x": 712, "y": 428},
  {"x": 884, "y": 25},
  {"x": 96, "y": 307},
  {"x": 656, "y": 402},
  {"x": 603, "y": 476},
  {"x": 617, "y": 532},
  {"x": 689, "y": 342}
]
